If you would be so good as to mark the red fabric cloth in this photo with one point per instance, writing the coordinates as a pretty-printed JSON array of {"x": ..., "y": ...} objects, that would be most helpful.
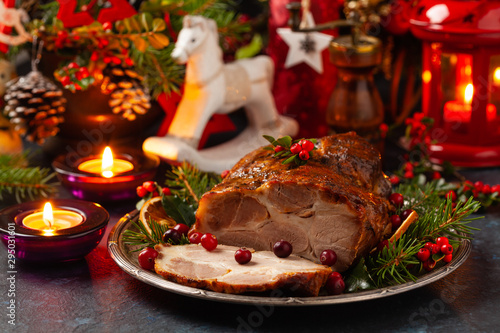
[{"x": 299, "y": 91}]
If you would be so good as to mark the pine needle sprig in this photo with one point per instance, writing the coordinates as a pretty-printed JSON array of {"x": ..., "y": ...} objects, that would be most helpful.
[
  {"x": 189, "y": 183},
  {"x": 26, "y": 182},
  {"x": 142, "y": 238}
]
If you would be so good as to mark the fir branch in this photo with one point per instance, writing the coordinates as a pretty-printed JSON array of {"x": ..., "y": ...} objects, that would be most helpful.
[
  {"x": 189, "y": 183},
  {"x": 29, "y": 182},
  {"x": 142, "y": 238}
]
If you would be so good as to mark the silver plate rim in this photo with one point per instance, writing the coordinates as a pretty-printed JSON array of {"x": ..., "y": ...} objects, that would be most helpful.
[{"x": 118, "y": 253}]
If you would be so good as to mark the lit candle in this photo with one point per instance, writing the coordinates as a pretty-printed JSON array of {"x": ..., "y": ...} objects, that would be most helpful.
[
  {"x": 460, "y": 111},
  {"x": 50, "y": 220},
  {"x": 107, "y": 166}
]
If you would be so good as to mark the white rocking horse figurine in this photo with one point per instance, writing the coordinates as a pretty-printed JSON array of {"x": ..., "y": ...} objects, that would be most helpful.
[
  {"x": 13, "y": 18},
  {"x": 214, "y": 87}
]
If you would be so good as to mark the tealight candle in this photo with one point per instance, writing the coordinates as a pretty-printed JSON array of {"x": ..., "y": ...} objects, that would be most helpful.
[
  {"x": 51, "y": 220},
  {"x": 107, "y": 166}
]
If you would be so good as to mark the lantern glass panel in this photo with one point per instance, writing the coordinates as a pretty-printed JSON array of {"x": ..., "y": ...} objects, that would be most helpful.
[{"x": 494, "y": 83}]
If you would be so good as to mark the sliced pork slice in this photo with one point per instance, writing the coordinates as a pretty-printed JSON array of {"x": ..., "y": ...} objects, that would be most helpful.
[
  {"x": 217, "y": 270},
  {"x": 337, "y": 201}
]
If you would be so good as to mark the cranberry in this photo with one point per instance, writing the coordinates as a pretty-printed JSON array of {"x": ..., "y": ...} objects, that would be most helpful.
[
  {"x": 328, "y": 257},
  {"x": 409, "y": 174},
  {"x": 442, "y": 241},
  {"x": 451, "y": 195},
  {"x": 495, "y": 188},
  {"x": 435, "y": 249},
  {"x": 396, "y": 221},
  {"x": 107, "y": 25},
  {"x": 141, "y": 191},
  {"x": 282, "y": 249},
  {"x": 423, "y": 254},
  {"x": 486, "y": 189},
  {"x": 304, "y": 155},
  {"x": 209, "y": 242},
  {"x": 478, "y": 185},
  {"x": 172, "y": 236},
  {"x": 405, "y": 213},
  {"x": 394, "y": 179},
  {"x": 149, "y": 186},
  {"x": 295, "y": 148},
  {"x": 396, "y": 199},
  {"x": 306, "y": 145},
  {"x": 436, "y": 175},
  {"x": 278, "y": 148},
  {"x": 336, "y": 274},
  {"x": 73, "y": 65},
  {"x": 446, "y": 249},
  {"x": 382, "y": 244},
  {"x": 181, "y": 228},
  {"x": 195, "y": 238},
  {"x": 242, "y": 256},
  {"x": 428, "y": 246},
  {"x": 447, "y": 258},
  {"x": 429, "y": 265},
  {"x": 166, "y": 191},
  {"x": 147, "y": 258},
  {"x": 335, "y": 285},
  {"x": 65, "y": 80}
]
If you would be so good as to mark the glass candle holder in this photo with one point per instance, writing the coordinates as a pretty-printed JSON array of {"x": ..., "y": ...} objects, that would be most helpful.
[{"x": 37, "y": 245}]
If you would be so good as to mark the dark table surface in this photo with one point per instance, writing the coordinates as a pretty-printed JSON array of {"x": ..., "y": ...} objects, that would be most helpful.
[{"x": 95, "y": 295}]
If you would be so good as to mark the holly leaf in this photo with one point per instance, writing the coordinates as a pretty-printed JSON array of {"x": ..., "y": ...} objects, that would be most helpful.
[
  {"x": 285, "y": 141},
  {"x": 289, "y": 160},
  {"x": 359, "y": 279},
  {"x": 179, "y": 209},
  {"x": 269, "y": 138}
]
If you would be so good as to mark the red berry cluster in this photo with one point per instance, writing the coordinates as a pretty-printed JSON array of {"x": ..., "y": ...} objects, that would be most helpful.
[
  {"x": 74, "y": 77},
  {"x": 383, "y": 129},
  {"x": 335, "y": 284},
  {"x": 298, "y": 151},
  {"x": 397, "y": 200},
  {"x": 151, "y": 189},
  {"x": 479, "y": 188},
  {"x": 417, "y": 127},
  {"x": 431, "y": 253}
]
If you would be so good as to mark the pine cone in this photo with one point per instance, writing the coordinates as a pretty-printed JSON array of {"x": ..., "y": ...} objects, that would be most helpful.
[
  {"x": 34, "y": 105},
  {"x": 128, "y": 97}
]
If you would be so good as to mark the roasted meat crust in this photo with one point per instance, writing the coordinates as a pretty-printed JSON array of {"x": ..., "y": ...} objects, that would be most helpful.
[{"x": 337, "y": 200}]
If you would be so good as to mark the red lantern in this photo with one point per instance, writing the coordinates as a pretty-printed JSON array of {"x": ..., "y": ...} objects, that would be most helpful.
[{"x": 461, "y": 78}]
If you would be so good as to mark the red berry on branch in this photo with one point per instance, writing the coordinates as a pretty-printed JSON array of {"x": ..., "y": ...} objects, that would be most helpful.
[
  {"x": 62, "y": 34},
  {"x": 77, "y": 86},
  {"x": 94, "y": 56},
  {"x": 141, "y": 191},
  {"x": 429, "y": 245},
  {"x": 423, "y": 254},
  {"x": 149, "y": 186},
  {"x": 382, "y": 244},
  {"x": 181, "y": 228},
  {"x": 304, "y": 155},
  {"x": 409, "y": 174},
  {"x": 107, "y": 26},
  {"x": 436, "y": 175},
  {"x": 65, "y": 80},
  {"x": 394, "y": 179},
  {"x": 278, "y": 148},
  {"x": 306, "y": 145},
  {"x": 129, "y": 62},
  {"x": 478, "y": 185},
  {"x": 495, "y": 189},
  {"x": 166, "y": 191},
  {"x": 442, "y": 241},
  {"x": 73, "y": 65},
  {"x": 446, "y": 249},
  {"x": 435, "y": 249},
  {"x": 486, "y": 189},
  {"x": 116, "y": 60},
  {"x": 397, "y": 199},
  {"x": 295, "y": 148},
  {"x": 408, "y": 166},
  {"x": 451, "y": 195},
  {"x": 447, "y": 258}
]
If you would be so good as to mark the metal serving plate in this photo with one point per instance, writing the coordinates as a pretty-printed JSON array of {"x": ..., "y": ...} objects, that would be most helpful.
[{"x": 128, "y": 262}]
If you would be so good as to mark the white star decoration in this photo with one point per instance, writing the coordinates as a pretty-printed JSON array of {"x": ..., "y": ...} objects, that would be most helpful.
[{"x": 305, "y": 47}]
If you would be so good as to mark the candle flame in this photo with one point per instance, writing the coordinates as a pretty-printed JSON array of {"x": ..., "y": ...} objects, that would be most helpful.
[
  {"x": 496, "y": 75},
  {"x": 48, "y": 216},
  {"x": 469, "y": 92},
  {"x": 107, "y": 163}
]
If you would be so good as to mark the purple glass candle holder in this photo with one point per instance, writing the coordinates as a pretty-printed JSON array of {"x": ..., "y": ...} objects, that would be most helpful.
[
  {"x": 95, "y": 187},
  {"x": 63, "y": 245}
]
